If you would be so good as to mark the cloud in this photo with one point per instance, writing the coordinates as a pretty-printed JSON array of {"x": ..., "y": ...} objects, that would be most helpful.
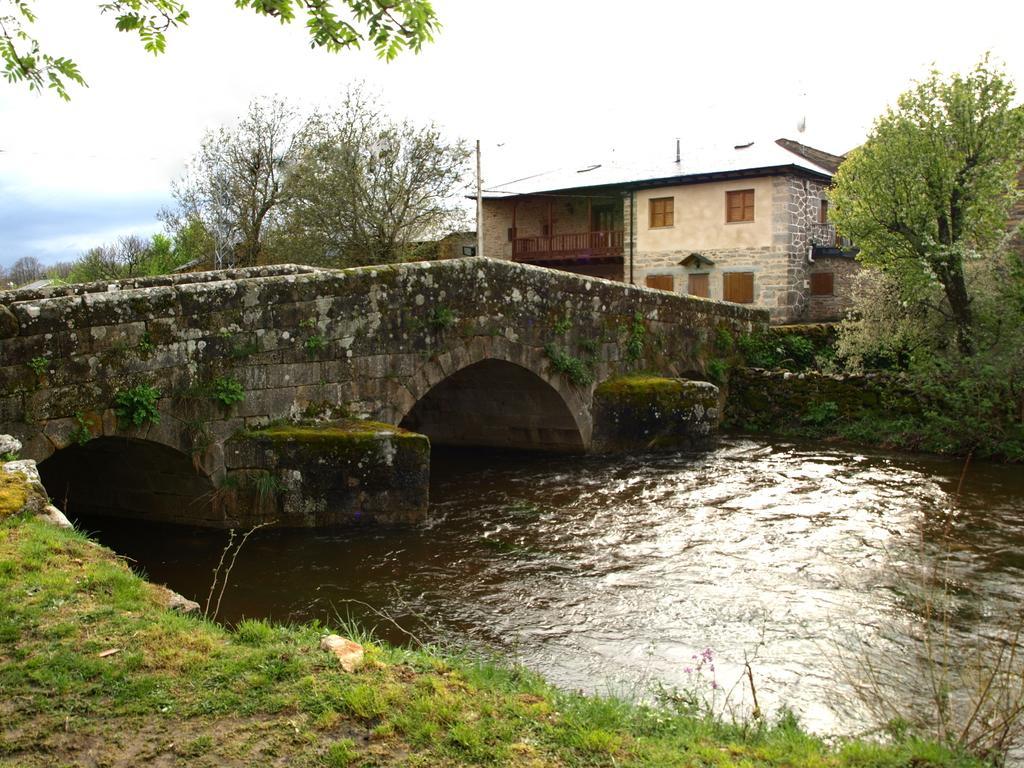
[{"x": 61, "y": 228}]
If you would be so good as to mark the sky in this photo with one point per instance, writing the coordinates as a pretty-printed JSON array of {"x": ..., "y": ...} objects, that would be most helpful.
[{"x": 542, "y": 84}]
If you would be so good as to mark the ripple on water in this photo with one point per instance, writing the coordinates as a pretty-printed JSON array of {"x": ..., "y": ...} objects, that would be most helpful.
[{"x": 609, "y": 573}]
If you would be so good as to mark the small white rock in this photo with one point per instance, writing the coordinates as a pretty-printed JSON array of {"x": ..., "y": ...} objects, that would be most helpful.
[
  {"x": 9, "y": 444},
  {"x": 348, "y": 652}
]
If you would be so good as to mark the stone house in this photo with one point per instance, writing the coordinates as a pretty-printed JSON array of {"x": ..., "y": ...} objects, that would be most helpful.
[{"x": 748, "y": 224}]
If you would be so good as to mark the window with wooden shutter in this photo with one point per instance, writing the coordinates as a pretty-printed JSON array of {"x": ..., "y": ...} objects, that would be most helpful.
[
  {"x": 738, "y": 287},
  {"x": 822, "y": 284},
  {"x": 662, "y": 211},
  {"x": 661, "y": 282},
  {"x": 739, "y": 206},
  {"x": 699, "y": 285},
  {"x": 823, "y": 212}
]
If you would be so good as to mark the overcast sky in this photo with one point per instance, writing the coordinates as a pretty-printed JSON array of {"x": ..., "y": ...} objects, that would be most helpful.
[{"x": 542, "y": 83}]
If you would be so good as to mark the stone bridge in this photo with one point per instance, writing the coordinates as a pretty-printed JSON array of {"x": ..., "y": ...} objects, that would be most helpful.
[{"x": 135, "y": 394}]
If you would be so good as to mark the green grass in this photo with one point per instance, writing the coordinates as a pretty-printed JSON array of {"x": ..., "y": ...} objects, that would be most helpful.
[{"x": 182, "y": 690}]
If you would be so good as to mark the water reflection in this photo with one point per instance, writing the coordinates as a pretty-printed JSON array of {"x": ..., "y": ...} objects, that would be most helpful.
[{"x": 608, "y": 573}]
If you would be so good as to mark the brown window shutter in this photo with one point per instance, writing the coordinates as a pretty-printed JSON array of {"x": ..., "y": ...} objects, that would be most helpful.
[
  {"x": 698, "y": 285},
  {"x": 822, "y": 284},
  {"x": 661, "y": 282},
  {"x": 662, "y": 211},
  {"x": 823, "y": 212},
  {"x": 738, "y": 287},
  {"x": 739, "y": 205}
]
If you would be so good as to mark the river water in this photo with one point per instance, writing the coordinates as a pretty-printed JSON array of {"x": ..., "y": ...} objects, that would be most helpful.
[{"x": 610, "y": 575}]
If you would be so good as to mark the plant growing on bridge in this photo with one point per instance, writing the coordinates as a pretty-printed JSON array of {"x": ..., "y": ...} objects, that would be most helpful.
[
  {"x": 574, "y": 369},
  {"x": 82, "y": 432},
  {"x": 146, "y": 345},
  {"x": 227, "y": 390},
  {"x": 137, "y": 405},
  {"x": 637, "y": 333},
  {"x": 314, "y": 344},
  {"x": 441, "y": 318},
  {"x": 39, "y": 366}
]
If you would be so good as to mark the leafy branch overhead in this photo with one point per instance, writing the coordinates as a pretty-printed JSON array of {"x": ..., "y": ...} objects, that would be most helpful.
[{"x": 388, "y": 25}]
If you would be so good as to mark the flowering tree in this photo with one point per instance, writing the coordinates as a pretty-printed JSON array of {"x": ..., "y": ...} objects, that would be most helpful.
[{"x": 932, "y": 188}]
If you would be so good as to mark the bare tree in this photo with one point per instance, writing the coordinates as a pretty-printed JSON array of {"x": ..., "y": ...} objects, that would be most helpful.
[
  {"x": 25, "y": 270},
  {"x": 235, "y": 185},
  {"x": 369, "y": 189},
  {"x": 125, "y": 258}
]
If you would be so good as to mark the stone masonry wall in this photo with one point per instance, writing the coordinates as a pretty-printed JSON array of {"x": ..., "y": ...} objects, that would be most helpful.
[
  {"x": 367, "y": 343},
  {"x": 781, "y": 270},
  {"x": 828, "y": 308}
]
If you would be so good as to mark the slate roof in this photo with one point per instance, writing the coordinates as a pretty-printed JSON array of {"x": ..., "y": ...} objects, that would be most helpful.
[{"x": 696, "y": 164}]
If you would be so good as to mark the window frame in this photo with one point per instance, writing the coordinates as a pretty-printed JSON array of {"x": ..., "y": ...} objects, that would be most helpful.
[
  {"x": 663, "y": 276},
  {"x": 742, "y": 207},
  {"x": 670, "y": 214},
  {"x": 707, "y": 284},
  {"x": 727, "y": 276},
  {"x": 831, "y": 284},
  {"x": 823, "y": 211}
]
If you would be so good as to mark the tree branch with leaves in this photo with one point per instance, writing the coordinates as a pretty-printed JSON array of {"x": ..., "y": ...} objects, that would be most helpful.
[
  {"x": 390, "y": 26},
  {"x": 932, "y": 187}
]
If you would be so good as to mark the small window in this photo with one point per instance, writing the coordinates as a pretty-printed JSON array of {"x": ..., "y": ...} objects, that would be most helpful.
[
  {"x": 823, "y": 212},
  {"x": 822, "y": 284},
  {"x": 511, "y": 234},
  {"x": 738, "y": 287},
  {"x": 661, "y": 282},
  {"x": 545, "y": 230},
  {"x": 662, "y": 212},
  {"x": 739, "y": 206},
  {"x": 698, "y": 285}
]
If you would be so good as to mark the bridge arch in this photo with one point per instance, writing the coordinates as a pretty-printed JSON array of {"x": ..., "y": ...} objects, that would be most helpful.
[
  {"x": 129, "y": 477},
  {"x": 496, "y": 393}
]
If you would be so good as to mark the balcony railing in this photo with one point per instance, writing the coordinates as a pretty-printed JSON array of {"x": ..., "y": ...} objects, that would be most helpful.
[{"x": 568, "y": 246}]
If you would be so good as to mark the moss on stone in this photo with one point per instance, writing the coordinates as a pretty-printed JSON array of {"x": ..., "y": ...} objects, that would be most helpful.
[
  {"x": 644, "y": 390},
  {"x": 13, "y": 494},
  {"x": 343, "y": 430}
]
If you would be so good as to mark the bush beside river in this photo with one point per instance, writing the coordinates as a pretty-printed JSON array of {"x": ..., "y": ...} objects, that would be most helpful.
[{"x": 790, "y": 382}]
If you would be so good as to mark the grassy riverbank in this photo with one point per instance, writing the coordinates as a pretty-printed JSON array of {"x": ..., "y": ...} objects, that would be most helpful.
[{"x": 179, "y": 690}]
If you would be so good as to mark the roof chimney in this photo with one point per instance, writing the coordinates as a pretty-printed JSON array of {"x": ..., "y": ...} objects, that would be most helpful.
[{"x": 677, "y": 150}]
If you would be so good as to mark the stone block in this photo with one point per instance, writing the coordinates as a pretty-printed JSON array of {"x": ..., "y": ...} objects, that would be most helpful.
[
  {"x": 343, "y": 473},
  {"x": 638, "y": 413}
]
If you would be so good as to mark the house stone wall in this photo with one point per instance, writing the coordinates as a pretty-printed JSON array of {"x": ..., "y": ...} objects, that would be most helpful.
[
  {"x": 834, "y": 307},
  {"x": 568, "y": 214},
  {"x": 775, "y": 247}
]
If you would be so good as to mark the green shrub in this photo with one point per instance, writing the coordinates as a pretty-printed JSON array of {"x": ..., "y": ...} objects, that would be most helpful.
[
  {"x": 137, "y": 405},
  {"x": 39, "y": 365},
  {"x": 636, "y": 338},
  {"x": 227, "y": 391},
  {"x": 716, "y": 370},
  {"x": 82, "y": 433},
  {"x": 821, "y": 414},
  {"x": 574, "y": 369},
  {"x": 441, "y": 318},
  {"x": 314, "y": 344}
]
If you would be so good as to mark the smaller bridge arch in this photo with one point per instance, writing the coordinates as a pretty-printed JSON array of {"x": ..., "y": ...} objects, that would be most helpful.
[
  {"x": 128, "y": 477},
  {"x": 496, "y": 393}
]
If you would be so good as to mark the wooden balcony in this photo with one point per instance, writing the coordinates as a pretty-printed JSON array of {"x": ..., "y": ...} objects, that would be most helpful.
[{"x": 570, "y": 246}]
